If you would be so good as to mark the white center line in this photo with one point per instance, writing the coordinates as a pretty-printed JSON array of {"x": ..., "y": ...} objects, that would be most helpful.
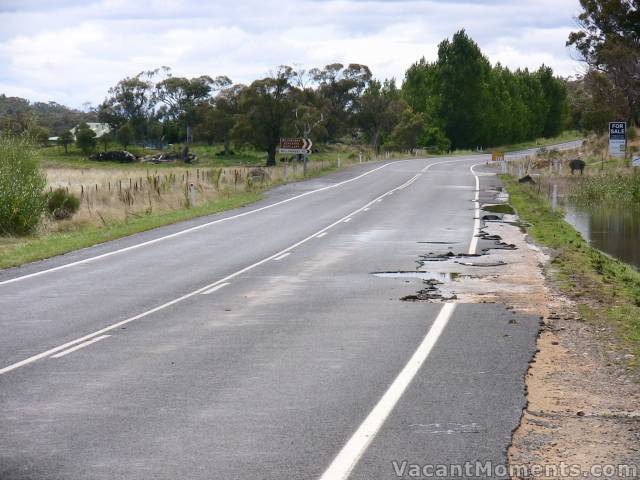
[
  {"x": 186, "y": 296},
  {"x": 215, "y": 289},
  {"x": 79, "y": 346},
  {"x": 347, "y": 220},
  {"x": 322, "y": 235},
  {"x": 284, "y": 255},
  {"x": 188, "y": 230},
  {"x": 348, "y": 457}
]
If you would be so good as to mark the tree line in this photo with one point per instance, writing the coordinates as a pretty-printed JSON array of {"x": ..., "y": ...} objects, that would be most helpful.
[{"x": 458, "y": 101}]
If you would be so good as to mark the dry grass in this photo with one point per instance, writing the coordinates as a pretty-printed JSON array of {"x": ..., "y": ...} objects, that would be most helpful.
[{"x": 109, "y": 195}]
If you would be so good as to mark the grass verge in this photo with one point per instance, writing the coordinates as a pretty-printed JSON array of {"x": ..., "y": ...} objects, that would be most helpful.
[
  {"x": 18, "y": 251},
  {"x": 607, "y": 290},
  {"x": 15, "y": 251},
  {"x": 568, "y": 136}
]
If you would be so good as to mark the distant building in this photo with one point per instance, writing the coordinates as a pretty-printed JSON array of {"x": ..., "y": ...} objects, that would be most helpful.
[{"x": 100, "y": 129}]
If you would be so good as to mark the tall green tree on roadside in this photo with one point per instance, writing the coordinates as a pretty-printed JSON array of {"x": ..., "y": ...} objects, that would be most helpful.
[
  {"x": 609, "y": 42},
  {"x": 341, "y": 87},
  {"x": 460, "y": 86},
  {"x": 409, "y": 131},
  {"x": 267, "y": 109},
  {"x": 379, "y": 110}
]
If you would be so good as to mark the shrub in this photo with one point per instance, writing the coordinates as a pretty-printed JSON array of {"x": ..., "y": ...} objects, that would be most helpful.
[
  {"x": 21, "y": 185},
  {"x": 62, "y": 204}
]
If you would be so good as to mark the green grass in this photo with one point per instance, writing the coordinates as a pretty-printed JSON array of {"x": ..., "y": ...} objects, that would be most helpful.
[
  {"x": 17, "y": 251},
  {"x": 606, "y": 289},
  {"x": 568, "y": 136},
  {"x": 499, "y": 208}
]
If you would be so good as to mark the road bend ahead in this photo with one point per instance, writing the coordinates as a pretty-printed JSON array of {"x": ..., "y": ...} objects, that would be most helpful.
[{"x": 258, "y": 344}]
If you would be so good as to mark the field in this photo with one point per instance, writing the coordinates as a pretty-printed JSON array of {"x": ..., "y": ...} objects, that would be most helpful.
[{"x": 121, "y": 199}]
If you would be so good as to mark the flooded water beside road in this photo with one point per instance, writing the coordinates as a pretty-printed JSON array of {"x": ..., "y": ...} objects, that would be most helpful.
[{"x": 615, "y": 231}]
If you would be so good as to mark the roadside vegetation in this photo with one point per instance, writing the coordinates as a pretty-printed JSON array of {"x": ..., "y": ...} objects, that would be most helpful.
[{"x": 607, "y": 290}]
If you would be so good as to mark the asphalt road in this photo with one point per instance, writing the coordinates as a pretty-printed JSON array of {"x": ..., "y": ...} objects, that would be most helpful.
[{"x": 258, "y": 344}]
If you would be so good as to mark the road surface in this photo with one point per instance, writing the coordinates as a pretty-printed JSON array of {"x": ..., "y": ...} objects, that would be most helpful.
[{"x": 258, "y": 344}]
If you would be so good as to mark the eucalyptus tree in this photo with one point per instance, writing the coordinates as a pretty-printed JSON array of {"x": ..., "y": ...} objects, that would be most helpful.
[
  {"x": 267, "y": 109},
  {"x": 130, "y": 101},
  {"x": 341, "y": 87}
]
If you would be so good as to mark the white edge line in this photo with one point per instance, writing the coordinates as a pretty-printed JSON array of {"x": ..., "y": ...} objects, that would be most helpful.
[
  {"x": 473, "y": 246},
  {"x": 283, "y": 256},
  {"x": 187, "y": 230},
  {"x": 113, "y": 326},
  {"x": 348, "y": 457},
  {"x": 78, "y": 347},
  {"x": 215, "y": 289},
  {"x": 350, "y": 454},
  {"x": 320, "y": 235}
]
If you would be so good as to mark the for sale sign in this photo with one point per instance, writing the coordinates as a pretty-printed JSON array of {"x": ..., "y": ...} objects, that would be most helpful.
[{"x": 617, "y": 139}]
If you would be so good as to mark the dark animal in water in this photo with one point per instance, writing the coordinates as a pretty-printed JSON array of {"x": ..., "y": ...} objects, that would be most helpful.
[{"x": 577, "y": 165}]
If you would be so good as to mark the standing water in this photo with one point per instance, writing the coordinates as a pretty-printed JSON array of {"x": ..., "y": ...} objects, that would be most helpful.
[{"x": 614, "y": 231}]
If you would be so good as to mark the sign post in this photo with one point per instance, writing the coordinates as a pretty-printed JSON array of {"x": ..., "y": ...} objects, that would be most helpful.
[
  {"x": 297, "y": 146},
  {"x": 617, "y": 139}
]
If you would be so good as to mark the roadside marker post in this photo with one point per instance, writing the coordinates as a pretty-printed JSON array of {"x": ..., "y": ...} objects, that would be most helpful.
[{"x": 192, "y": 195}]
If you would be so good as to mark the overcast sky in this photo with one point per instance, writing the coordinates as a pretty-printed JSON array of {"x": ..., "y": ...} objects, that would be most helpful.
[{"x": 72, "y": 51}]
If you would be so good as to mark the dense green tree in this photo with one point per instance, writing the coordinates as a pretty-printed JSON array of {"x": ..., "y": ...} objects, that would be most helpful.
[
  {"x": 183, "y": 95},
  {"x": 409, "y": 131},
  {"x": 609, "y": 42},
  {"x": 125, "y": 135},
  {"x": 379, "y": 110},
  {"x": 461, "y": 77},
  {"x": 130, "y": 101},
  {"x": 267, "y": 109},
  {"x": 85, "y": 138},
  {"x": 466, "y": 100},
  {"x": 341, "y": 87},
  {"x": 65, "y": 139},
  {"x": 217, "y": 117}
]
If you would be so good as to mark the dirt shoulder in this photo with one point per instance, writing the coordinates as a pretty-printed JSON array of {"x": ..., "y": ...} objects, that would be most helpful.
[
  {"x": 583, "y": 390},
  {"x": 583, "y": 384}
]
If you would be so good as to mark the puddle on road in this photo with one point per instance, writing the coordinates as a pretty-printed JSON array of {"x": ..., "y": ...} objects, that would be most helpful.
[
  {"x": 421, "y": 274},
  {"x": 499, "y": 263}
]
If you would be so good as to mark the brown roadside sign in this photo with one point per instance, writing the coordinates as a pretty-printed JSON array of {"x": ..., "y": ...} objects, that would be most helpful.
[{"x": 295, "y": 145}]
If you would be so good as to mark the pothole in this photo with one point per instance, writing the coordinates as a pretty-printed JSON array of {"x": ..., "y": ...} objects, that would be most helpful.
[{"x": 429, "y": 293}]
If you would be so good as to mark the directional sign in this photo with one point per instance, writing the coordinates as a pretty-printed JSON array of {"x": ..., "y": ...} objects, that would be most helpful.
[
  {"x": 295, "y": 146},
  {"x": 617, "y": 139}
]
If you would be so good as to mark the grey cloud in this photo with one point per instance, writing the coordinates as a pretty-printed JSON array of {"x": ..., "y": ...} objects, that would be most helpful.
[{"x": 72, "y": 51}]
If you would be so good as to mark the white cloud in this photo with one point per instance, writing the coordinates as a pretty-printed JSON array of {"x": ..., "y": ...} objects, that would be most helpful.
[{"x": 72, "y": 51}]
